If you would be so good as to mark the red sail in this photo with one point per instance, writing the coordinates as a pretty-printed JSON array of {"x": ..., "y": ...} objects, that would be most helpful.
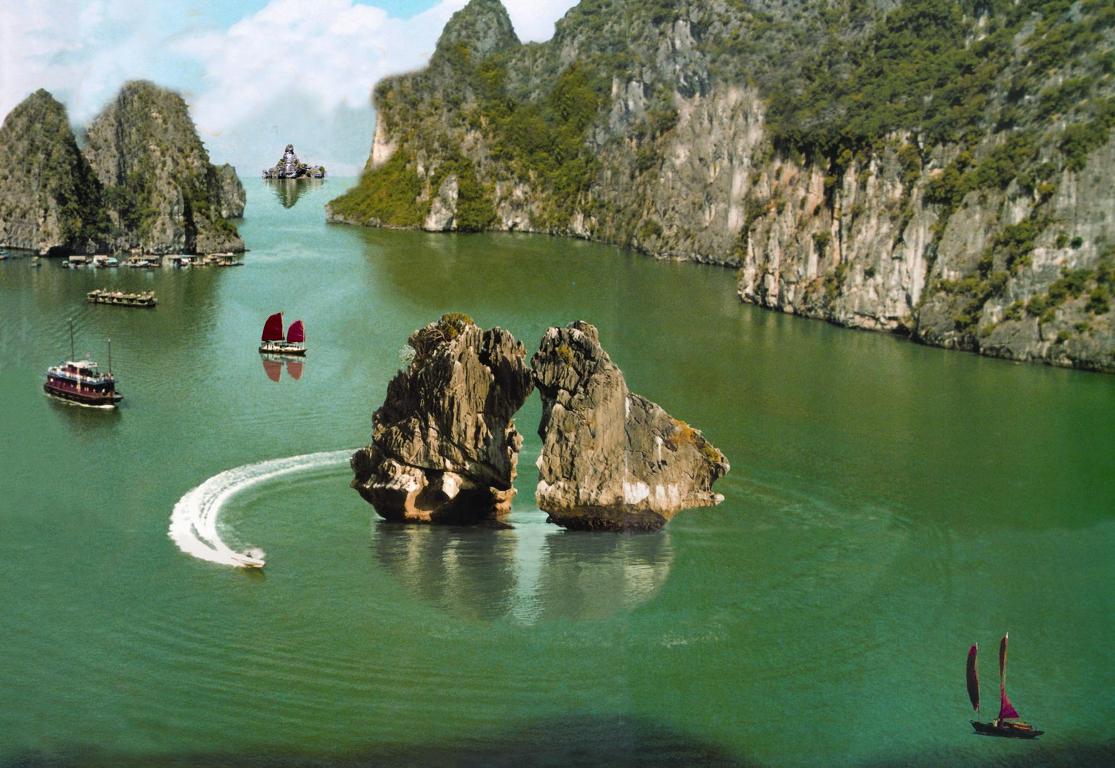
[
  {"x": 273, "y": 328},
  {"x": 973, "y": 676},
  {"x": 1006, "y": 709},
  {"x": 297, "y": 333}
]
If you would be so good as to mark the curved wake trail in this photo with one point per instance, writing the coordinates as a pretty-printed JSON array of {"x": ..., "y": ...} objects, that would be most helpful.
[{"x": 193, "y": 523}]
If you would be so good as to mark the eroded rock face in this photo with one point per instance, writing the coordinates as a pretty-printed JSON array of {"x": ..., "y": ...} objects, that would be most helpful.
[
  {"x": 50, "y": 200},
  {"x": 163, "y": 194},
  {"x": 444, "y": 446},
  {"x": 230, "y": 192},
  {"x": 612, "y": 460}
]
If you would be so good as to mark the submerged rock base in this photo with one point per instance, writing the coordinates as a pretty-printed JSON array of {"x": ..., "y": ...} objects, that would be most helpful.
[
  {"x": 403, "y": 493},
  {"x": 444, "y": 447},
  {"x": 612, "y": 460}
]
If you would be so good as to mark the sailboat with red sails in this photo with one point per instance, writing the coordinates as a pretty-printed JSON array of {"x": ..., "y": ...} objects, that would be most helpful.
[
  {"x": 273, "y": 343},
  {"x": 1007, "y": 723}
]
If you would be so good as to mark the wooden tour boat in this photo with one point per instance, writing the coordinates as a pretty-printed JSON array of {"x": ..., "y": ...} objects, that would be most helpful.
[
  {"x": 272, "y": 342},
  {"x": 81, "y": 382},
  {"x": 1007, "y": 723}
]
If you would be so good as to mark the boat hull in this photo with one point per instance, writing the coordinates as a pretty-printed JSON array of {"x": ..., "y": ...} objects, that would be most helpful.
[
  {"x": 89, "y": 401},
  {"x": 286, "y": 349},
  {"x": 248, "y": 562},
  {"x": 1006, "y": 730}
]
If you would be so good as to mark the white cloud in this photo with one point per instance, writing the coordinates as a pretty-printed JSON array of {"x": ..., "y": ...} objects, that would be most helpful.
[
  {"x": 534, "y": 19},
  {"x": 291, "y": 71},
  {"x": 328, "y": 53}
]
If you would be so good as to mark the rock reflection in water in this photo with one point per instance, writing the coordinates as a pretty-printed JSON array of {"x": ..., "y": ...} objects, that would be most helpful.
[
  {"x": 591, "y": 575},
  {"x": 289, "y": 190},
  {"x": 530, "y": 573},
  {"x": 465, "y": 570}
]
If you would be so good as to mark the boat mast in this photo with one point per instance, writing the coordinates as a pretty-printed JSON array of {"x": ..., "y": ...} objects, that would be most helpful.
[
  {"x": 71, "y": 339},
  {"x": 110, "y": 357}
]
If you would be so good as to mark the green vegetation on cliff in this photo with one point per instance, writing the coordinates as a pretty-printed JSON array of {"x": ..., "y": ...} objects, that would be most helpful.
[
  {"x": 164, "y": 193},
  {"x": 386, "y": 195},
  {"x": 142, "y": 181},
  {"x": 950, "y": 71},
  {"x": 49, "y": 198}
]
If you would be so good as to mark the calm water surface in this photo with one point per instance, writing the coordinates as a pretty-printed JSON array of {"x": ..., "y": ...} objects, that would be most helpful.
[{"x": 888, "y": 505}]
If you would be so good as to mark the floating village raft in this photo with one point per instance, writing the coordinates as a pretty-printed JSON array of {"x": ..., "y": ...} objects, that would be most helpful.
[{"x": 122, "y": 299}]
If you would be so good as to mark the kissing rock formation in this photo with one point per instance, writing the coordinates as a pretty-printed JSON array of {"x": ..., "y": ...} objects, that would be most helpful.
[
  {"x": 612, "y": 460},
  {"x": 444, "y": 446}
]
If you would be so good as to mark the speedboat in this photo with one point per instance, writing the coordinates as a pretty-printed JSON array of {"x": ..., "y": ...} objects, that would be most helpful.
[{"x": 250, "y": 558}]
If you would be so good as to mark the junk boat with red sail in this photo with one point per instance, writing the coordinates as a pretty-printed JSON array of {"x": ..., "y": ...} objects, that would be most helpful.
[
  {"x": 81, "y": 381},
  {"x": 1007, "y": 723},
  {"x": 273, "y": 343}
]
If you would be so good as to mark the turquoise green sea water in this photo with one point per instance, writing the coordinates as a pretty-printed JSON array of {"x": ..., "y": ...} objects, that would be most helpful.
[{"x": 888, "y": 505}]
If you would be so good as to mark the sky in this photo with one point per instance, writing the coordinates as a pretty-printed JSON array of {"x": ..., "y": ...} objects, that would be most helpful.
[{"x": 257, "y": 74}]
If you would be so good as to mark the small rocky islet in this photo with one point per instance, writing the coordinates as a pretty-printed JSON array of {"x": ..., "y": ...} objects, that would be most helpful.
[
  {"x": 290, "y": 167},
  {"x": 143, "y": 182},
  {"x": 445, "y": 447}
]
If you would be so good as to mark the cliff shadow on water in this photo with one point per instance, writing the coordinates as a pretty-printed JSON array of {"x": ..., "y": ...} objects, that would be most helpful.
[{"x": 579, "y": 741}]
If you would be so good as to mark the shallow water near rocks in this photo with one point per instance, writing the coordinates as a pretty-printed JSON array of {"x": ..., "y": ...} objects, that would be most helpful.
[{"x": 888, "y": 505}]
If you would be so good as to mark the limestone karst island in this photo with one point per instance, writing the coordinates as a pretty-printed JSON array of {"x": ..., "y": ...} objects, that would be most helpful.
[{"x": 646, "y": 384}]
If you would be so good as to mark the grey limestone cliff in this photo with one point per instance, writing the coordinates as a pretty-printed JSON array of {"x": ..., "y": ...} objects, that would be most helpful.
[
  {"x": 925, "y": 167},
  {"x": 444, "y": 445},
  {"x": 164, "y": 194},
  {"x": 612, "y": 460},
  {"x": 50, "y": 202},
  {"x": 142, "y": 182}
]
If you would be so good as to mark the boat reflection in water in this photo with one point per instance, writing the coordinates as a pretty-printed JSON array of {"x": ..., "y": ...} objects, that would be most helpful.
[
  {"x": 273, "y": 367},
  {"x": 531, "y": 572}
]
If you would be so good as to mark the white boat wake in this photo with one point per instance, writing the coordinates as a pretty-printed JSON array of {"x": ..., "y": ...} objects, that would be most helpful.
[{"x": 193, "y": 523}]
